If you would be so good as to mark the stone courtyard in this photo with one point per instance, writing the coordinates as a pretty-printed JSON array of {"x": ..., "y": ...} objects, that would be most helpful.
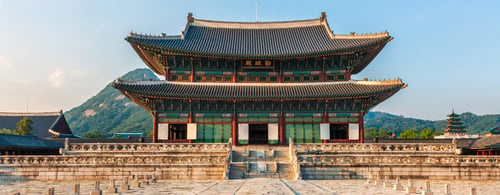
[{"x": 253, "y": 186}]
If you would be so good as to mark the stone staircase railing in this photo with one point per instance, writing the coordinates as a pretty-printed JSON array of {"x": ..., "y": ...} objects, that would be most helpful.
[
  {"x": 229, "y": 160},
  {"x": 292, "y": 149}
]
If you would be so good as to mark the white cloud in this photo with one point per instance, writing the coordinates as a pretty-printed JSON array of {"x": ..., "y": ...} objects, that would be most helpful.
[
  {"x": 5, "y": 62},
  {"x": 57, "y": 78}
]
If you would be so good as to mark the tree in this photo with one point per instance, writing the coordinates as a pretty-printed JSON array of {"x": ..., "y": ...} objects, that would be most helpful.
[
  {"x": 93, "y": 134},
  {"x": 427, "y": 134},
  {"x": 408, "y": 134},
  {"x": 23, "y": 127}
]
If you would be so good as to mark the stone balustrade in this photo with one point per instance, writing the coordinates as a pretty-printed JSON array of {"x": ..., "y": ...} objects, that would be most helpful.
[
  {"x": 320, "y": 148},
  {"x": 112, "y": 160},
  {"x": 91, "y": 148},
  {"x": 393, "y": 159}
]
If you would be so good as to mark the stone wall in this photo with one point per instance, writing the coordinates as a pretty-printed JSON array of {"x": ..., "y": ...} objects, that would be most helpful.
[
  {"x": 116, "y": 161},
  {"x": 424, "y": 161}
]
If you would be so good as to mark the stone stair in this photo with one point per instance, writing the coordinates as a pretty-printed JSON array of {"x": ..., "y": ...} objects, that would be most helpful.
[{"x": 260, "y": 162}]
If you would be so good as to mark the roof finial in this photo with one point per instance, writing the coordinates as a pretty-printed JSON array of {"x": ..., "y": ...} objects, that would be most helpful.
[
  {"x": 190, "y": 17},
  {"x": 323, "y": 16}
]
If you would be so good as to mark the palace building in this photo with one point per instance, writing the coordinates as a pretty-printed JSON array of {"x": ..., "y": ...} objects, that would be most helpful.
[{"x": 258, "y": 82}]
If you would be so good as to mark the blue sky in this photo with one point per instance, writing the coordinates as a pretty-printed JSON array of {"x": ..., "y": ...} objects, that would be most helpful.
[{"x": 56, "y": 54}]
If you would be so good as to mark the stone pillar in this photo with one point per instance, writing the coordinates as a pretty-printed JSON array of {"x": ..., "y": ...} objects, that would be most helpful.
[
  {"x": 473, "y": 191},
  {"x": 397, "y": 185},
  {"x": 427, "y": 188},
  {"x": 386, "y": 181},
  {"x": 447, "y": 189},
  {"x": 97, "y": 190},
  {"x": 145, "y": 180},
  {"x": 125, "y": 186},
  {"x": 377, "y": 181},
  {"x": 136, "y": 183},
  {"x": 76, "y": 189},
  {"x": 112, "y": 187},
  {"x": 411, "y": 189},
  {"x": 51, "y": 191}
]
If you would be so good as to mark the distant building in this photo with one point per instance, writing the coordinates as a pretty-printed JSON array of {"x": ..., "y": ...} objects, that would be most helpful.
[
  {"x": 45, "y": 124},
  {"x": 455, "y": 128},
  {"x": 494, "y": 131},
  {"x": 258, "y": 82}
]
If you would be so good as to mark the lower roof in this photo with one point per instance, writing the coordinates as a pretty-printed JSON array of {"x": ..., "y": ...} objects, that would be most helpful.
[{"x": 200, "y": 90}]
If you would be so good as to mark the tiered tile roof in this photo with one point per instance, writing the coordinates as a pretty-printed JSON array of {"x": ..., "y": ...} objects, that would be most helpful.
[
  {"x": 200, "y": 90},
  {"x": 260, "y": 39}
]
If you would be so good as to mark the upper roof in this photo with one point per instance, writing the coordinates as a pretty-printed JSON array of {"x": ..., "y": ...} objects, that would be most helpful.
[
  {"x": 45, "y": 124},
  {"x": 260, "y": 39},
  {"x": 201, "y": 90}
]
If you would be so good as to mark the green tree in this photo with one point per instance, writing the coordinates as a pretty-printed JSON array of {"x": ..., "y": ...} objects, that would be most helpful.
[
  {"x": 408, "y": 134},
  {"x": 427, "y": 134},
  {"x": 93, "y": 134},
  {"x": 23, "y": 127}
]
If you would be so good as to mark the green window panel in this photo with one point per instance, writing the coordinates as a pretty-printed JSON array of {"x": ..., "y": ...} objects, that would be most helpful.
[
  {"x": 316, "y": 78},
  {"x": 227, "y": 132},
  {"x": 198, "y": 78},
  {"x": 209, "y": 133},
  {"x": 262, "y": 79},
  {"x": 317, "y": 119},
  {"x": 242, "y": 78},
  {"x": 252, "y": 78},
  {"x": 296, "y": 79},
  {"x": 353, "y": 119},
  {"x": 308, "y": 133},
  {"x": 299, "y": 119},
  {"x": 330, "y": 78},
  {"x": 228, "y": 78},
  {"x": 273, "y": 120},
  {"x": 218, "y": 78},
  {"x": 218, "y": 133},
  {"x": 317, "y": 133},
  {"x": 340, "y": 77},
  {"x": 299, "y": 133},
  {"x": 227, "y": 119},
  {"x": 273, "y": 79},
  {"x": 209, "y": 78},
  {"x": 308, "y": 119},
  {"x": 200, "y": 133},
  {"x": 290, "y": 132},
  {"x": 287, "y": 78},
  {"x": 290, "y": 119},
  {"x": 174, "y": 77},
  {"x": 242, "y": 119},
  {"x": 185, "y": 77},
  {"x": 343, "y": 119}
]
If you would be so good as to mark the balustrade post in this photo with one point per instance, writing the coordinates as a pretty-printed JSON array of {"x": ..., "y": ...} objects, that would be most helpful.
[
  {"x": 427, "y": 188},
  {"x": 411, "y": 188},
  {"x": 51, "y": 191},
  {"x": 447, "y": 189},
  {"x": 112, "y": 187},
  {"x": 473, "y": 191},
  {"x": 76, "y": 189},
  {"x": 397, "y": 185}
]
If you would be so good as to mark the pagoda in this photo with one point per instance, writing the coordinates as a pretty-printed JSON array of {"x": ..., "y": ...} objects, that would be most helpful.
[
  {"x": 258, "y": 82},
  {"x": 455, "y": 126}
]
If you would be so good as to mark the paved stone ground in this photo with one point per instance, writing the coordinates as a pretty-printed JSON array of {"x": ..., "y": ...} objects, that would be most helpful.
[{"x": 252, "y": 186}]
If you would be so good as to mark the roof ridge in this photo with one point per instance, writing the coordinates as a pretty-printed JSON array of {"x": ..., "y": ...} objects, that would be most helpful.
[
  {"x": 256, "y": 25},
  {"x": 30, "y": 113},
  {"x": 362, "y": 35},
  {"x": 369, "y": 82}
]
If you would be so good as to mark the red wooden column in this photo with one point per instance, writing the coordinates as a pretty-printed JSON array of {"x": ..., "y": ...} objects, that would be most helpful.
[
  {"x": 191, "y": 78},
  {"x": 282, "y": 125},
  {"x": 361, "y": 128},
  {"x": 323, "y": 73},
  {"x": 155, "y": 127},
  {"x": 234, "y": 71},
  {"x": 325, "y": 115},
  {"x": 235, "y": 125}
]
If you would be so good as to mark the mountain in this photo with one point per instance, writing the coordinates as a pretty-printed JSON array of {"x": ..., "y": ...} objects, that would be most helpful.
[
  {"x": 110, "y": 111},
  {"x": 473, "y": 123}
]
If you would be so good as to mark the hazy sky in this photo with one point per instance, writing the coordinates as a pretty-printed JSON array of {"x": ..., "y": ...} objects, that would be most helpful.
[{"x": 56, "y": 54}]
